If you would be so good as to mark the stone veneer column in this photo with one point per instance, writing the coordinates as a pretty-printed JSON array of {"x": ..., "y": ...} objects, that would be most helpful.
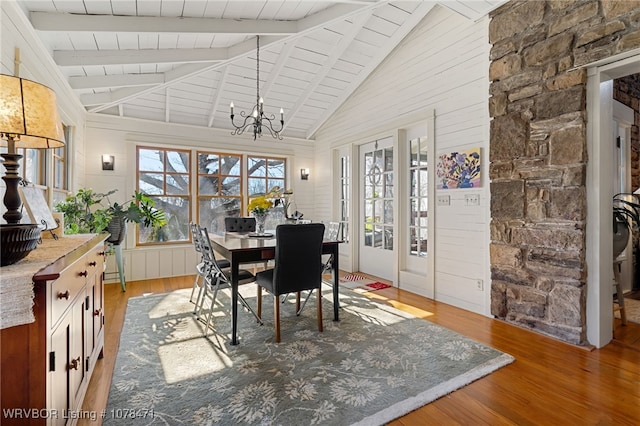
[{"x": 538, "y": 154}]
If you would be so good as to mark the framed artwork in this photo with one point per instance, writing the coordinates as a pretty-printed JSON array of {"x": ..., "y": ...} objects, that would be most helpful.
[
  {"x": 459, "y": 169},
  {"x": 37, "y": 207}
]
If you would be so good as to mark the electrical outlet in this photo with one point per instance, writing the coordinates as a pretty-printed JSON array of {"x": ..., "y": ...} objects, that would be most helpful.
[
  {"x": 472, "y": 200},
  {"x": 479, "y": 285},
  {"x": 444, "y": 200}
]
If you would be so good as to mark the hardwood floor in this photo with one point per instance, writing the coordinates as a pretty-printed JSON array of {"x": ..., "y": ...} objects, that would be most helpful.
[{"x": 549, "y": 383}]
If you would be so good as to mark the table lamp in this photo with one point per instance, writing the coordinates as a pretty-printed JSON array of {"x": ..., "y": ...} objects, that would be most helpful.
[{"x": 28, "y": 119}]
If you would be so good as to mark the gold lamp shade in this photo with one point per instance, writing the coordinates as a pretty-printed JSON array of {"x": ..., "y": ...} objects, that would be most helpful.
[
  {"x": 28, "y": 113},
  {"x": 28, "y": 119}
]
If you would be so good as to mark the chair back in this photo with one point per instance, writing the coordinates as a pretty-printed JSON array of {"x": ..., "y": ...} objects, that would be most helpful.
[
  {"x": 208, "y": 255},
  {"x": 240, "y": 224},
  {"x": 332, "y": 232},
  {"x": 298, "y": 264},
  {"x": 195, "y": 236}
]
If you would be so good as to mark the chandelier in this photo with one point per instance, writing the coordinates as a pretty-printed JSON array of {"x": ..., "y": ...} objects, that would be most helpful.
[{"x": 257, "y": 120}]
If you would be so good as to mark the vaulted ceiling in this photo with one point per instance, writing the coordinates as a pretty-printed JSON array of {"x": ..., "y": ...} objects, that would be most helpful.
[{"x": 185, "y": 61}]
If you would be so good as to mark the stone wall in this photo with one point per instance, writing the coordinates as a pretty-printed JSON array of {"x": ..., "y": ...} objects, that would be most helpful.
[{"x": 538, "y": 154}]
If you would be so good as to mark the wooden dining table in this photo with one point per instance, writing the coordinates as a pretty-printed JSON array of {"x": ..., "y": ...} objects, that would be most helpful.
[{"x": 240, "y": 247}]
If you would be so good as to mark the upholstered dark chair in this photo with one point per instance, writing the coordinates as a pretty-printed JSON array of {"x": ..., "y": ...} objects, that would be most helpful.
[
  {"x": 240, "y": 224},
  {"x": 216, "y": 278},
  {"x": 298, "y": 267}
]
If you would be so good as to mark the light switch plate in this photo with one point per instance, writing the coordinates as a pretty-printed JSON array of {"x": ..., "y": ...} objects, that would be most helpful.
[
  {"x": 444, "y": 200},
  {"x": 472, "y": 200}
]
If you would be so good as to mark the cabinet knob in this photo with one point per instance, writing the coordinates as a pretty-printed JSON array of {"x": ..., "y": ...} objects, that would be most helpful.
[
  {"x": 83, "y": 273},
  {"x": 74, "y": 364},
  {"x": 64, "y": 295},
  {"x": 94, "y": 263},
  {"x": 97, "y": 312}
]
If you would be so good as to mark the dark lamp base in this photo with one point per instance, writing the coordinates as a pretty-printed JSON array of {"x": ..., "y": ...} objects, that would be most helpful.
[{"x": 17, "y": 241}]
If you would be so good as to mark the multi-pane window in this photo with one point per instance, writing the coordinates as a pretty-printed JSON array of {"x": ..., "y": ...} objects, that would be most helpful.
[
  {"x": 60, "y": 169},
  {"x": 418, "y": 198},
  {"x": 264, "y": 174},
  {"x": 344, "y": 198},
  {"x": 33, "y": 166},
  {"x": 59, "y": 163},
  {"x": 164, "y": 175},
  {"x": 219, "y": 189},
  {"x": 378, "y": 198}
]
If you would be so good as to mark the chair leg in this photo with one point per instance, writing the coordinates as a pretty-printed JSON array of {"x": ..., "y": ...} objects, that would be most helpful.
[
  {"x": 319, "y": 296},
  {"x": 195, "y": 285},
  {"x": 297, "y": 302},
  {"x": 276, "y": 310},
  {"x": 259, "y": 309}
]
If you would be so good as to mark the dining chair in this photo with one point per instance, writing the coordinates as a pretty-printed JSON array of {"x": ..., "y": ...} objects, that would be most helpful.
[
  {"x": 217, "y": 278},
  {"x": 298, "y": 267},
  {"x": 200, "y": 267},
  {"x": 242, "y": 224}
]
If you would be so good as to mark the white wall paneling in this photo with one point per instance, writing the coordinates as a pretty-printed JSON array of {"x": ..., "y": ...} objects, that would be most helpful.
[{"x": 441, "y": 65}]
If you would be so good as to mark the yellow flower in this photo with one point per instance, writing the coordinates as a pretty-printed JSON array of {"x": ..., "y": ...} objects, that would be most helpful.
[{"x": 260, "y": 205}]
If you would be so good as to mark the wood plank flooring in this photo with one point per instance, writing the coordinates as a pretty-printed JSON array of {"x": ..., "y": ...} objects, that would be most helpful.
[{"x": 550, "y": 383}]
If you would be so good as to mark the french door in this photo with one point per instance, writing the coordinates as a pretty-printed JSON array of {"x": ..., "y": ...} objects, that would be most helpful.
[{"x": 376, "y": 224}]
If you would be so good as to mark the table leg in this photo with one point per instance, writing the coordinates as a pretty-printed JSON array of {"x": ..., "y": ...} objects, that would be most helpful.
[
  {"x": 336, "y": 282},
  {"x": 234, "y": 301}
]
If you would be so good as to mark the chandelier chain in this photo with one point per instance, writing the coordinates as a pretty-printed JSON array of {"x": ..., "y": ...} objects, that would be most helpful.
[{"x": 257, "y": 120}]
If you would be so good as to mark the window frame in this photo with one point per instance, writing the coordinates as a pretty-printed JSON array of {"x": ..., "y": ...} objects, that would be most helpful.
[{"x": 189, "y": 193}]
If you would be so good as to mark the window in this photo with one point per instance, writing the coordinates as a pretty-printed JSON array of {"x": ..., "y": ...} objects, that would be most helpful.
[
  {"x": 60, "y": 169},
  {"x": 344, "y": 198},
  {"x": 264, "y": 174},
  {"x": 219, "y": 188},
  {"x": 418, "y": 225},
  {"x": 59, "y": 163},
  {"x": 163, "y": 174}
]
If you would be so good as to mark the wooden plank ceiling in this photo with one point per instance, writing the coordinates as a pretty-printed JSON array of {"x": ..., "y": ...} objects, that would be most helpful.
[{"x": 185, "y": 61}]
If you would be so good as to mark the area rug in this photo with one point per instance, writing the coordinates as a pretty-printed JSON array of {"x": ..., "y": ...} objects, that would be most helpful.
[
  {"x": 632, "y": 309},
  {"x": 374, "y": 365}
]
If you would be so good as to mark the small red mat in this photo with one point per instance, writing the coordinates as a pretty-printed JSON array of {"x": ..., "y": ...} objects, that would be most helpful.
[{"x": 376, "y": 286}]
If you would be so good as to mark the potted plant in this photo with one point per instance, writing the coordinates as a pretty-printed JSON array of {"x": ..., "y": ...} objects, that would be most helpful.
[
  {"x": 86, "y": 212},
  {"x": 626, "y": 216}
]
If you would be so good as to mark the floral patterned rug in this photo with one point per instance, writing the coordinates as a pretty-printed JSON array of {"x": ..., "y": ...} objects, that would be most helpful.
[{"x": 374, "y": 365}]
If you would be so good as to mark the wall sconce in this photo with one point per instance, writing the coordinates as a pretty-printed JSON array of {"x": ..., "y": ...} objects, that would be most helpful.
[
  {"x": 108, "y": 161},
  {"x": 304, "y": 174}
]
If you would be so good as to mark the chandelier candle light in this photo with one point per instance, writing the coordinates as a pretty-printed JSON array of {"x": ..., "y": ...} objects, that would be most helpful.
[{"x": 257, "y": 120}]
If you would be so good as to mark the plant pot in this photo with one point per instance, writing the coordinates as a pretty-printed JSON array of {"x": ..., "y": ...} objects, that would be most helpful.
[
  {"x": 118, "y": 229},
  {"x": 620, "y": 238}
]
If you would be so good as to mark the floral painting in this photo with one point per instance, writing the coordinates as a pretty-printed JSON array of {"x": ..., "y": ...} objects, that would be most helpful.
[{"x": 460, "y": 169}]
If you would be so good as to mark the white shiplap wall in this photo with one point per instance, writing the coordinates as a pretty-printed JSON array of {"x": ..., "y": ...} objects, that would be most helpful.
[
  {"x": 36, "y": 64},
  {"x": 119, "y": 137},
  {"x": 442, "y": 65}
]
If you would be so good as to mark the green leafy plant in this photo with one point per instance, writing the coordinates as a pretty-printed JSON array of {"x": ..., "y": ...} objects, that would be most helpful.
[
  {"x": 626, "y": 217},
  {"x": 91, "y": 212},
  {"x": 625, "y": 212}
]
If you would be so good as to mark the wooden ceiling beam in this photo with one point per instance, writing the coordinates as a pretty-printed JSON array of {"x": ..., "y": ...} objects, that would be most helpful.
[
  {"x": 69, "y": 58},
  {"x": 67, "y": 22}
]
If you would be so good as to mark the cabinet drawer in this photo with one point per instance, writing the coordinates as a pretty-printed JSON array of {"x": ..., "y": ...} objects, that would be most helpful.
[
  {"x": 65, "y": 289},
  {"x": 94, "y": 260}
]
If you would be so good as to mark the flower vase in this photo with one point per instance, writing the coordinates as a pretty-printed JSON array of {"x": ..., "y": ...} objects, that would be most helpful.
[{"x": 260, "y": 219}]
